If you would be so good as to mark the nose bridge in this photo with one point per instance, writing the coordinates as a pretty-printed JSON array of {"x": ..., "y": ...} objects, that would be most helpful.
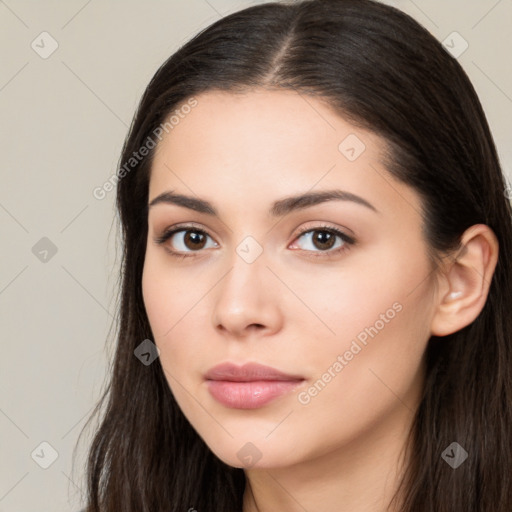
[
  {"x": 244, "y": 297},
  {"x": 247, "y": 269}
]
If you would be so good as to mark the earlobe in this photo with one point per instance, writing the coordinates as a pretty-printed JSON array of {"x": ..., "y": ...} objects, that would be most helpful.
[{"x": 467, "y": 280}]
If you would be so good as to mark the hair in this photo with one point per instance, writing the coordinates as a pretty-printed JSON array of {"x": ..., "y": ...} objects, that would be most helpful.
[{"x": 382, "y": 71}]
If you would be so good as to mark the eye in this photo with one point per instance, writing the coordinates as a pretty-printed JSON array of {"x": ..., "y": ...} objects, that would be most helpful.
[
  {"x": 320, "y": 241},
  {"x": 185, "y": 239},
  {"x": 325, "y": 239}
]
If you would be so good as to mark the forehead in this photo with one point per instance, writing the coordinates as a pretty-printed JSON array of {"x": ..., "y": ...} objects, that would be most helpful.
[
  {"x": 263, "y": 123},
  {"x": 245, "y": 147}
]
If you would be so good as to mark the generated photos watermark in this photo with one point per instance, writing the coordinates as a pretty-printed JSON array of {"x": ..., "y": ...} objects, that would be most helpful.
[
  {"x": 358, "y": 343},
  {"x": 170, "y": 123}
]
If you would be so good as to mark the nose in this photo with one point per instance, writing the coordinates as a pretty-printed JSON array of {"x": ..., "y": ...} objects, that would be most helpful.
[{"x": 246, "y": 300}]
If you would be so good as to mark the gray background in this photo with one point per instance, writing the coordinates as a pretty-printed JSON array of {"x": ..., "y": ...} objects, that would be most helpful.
[{"x": 64, "y": 118}]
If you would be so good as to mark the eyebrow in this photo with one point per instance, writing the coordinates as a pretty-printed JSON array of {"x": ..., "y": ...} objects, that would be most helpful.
[{"x": 279, "y": 208}]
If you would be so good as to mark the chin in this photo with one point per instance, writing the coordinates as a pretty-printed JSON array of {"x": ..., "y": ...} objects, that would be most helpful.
[{"x": 255, "y": 454}]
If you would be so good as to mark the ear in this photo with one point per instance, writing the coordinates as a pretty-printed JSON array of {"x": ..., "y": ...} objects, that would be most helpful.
[{"x": 465, "y": 281}]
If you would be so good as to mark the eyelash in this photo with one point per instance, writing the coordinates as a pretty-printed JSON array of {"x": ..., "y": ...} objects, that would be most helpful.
[{"x": 347, "y": 240}]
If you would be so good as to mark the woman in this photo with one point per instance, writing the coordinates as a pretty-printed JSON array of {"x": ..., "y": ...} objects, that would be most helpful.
[{"x": 316, "y": 288}]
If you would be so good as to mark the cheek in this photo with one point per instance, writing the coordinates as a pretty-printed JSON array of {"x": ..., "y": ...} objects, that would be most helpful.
[
  {"x": 378, "y": 320},
  {"x": 338, "y": 304},
  {"x": 166, "y": 306},
  {"x": 156, "y": 297},
  {"x": 356, "y": 386},
  {"x": 169, "y": 294},
  {"x": 173, "y": 300},
  {"x": 374, "y": 359}
]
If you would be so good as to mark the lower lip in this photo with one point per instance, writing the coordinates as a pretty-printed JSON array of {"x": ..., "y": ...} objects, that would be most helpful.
[{"x": 249, "y": 395}]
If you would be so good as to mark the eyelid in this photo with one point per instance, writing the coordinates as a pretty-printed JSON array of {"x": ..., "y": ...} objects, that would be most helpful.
[{"x": 327, "y": 227}]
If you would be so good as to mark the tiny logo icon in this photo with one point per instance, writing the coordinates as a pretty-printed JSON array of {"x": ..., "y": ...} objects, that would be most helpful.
[
  {"x": 351, "y": 147},
  {"x": 44, "y": 455},
  {"x": 249, "y": 249},
  {"x": 454, "y": 455},
  {"x": 249, "y": 455},
  {"x": 44, "y": 250},
  {"x": 44, "y": 45},
  {"x": 147, "y": 352},
  {"x": 455, "y": 44}
]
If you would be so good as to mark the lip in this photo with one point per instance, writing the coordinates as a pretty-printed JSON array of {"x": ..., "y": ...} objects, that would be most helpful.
[
  {"x": 247, "y": 373},
  {"x": 249, "y": 386}
]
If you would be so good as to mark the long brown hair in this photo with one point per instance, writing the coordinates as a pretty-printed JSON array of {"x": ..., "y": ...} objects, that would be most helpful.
[{"x": 384, "y": 72}]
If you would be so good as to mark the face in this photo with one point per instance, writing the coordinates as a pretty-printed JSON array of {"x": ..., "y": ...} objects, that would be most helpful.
[{"x": 336, "y": 294}]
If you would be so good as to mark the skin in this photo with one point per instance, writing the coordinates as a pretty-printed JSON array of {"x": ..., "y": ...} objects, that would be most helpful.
[{"x": 344, "y": 449}]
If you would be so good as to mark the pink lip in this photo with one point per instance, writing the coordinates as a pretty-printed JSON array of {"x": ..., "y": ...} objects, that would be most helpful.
[{"x": 249, "y": 386}]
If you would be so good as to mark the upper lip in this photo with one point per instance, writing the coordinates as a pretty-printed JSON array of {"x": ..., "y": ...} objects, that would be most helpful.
[{"x": 247, "y": 373}]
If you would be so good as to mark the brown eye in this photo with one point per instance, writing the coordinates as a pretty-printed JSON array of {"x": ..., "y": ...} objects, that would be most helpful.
[
  {"x": 184, "y": 241},
  {"x": 323, "y": 239},
  {"x": 194, "y": 239}
]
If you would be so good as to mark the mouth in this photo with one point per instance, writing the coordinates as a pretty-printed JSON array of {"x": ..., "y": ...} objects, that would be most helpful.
[{"x": 249, "y": 386}]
